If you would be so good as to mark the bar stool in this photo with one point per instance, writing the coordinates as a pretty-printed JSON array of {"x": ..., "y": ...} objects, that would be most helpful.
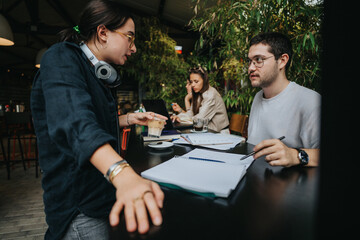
[
  {"x": 4, "y": 155},
  {"x": 19, "y": 127}
]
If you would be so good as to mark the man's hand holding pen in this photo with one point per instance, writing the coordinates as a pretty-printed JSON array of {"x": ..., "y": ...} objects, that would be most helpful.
[{"x": 277, "y": 153}]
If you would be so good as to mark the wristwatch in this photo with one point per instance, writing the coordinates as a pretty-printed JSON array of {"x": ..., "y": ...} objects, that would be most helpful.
[{"x": 303, "y": 157}]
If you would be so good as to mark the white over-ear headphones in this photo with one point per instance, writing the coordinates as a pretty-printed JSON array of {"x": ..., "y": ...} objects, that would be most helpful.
[{"x": 103, "y": 70}]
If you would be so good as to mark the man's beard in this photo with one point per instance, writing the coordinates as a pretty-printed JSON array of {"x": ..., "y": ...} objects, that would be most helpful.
[{"x": 266, "y": 80}]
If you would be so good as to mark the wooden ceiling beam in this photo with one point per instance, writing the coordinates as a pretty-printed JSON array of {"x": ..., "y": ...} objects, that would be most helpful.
[{"x": 59, "y": 8}]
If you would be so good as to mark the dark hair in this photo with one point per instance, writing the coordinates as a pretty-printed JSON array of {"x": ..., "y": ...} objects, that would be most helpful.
[
  {"x": 197, "y": 97},
  {"x": 109, "y": 13},
  {"x": 278, "y": 44}
]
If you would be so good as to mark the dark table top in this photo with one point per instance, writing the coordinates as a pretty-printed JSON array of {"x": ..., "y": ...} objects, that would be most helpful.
[{"x": 268, "y": 203}]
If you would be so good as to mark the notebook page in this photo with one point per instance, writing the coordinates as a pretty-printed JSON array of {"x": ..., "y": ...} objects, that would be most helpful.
[
  {"x": 209, "y": 138},
  {"x": 229, "y": 158},
  {"x": 199, "y": 176}
]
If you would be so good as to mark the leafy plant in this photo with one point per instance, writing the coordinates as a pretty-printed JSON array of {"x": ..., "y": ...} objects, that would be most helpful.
[
  {"x": 225, "y": 32},
  {"x": 159, "y": 70}
]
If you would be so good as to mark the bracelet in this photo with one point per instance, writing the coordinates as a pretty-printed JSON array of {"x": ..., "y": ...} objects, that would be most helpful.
[
  {"x": 127, "y": 118},
  {"x": 112, "y": 168},
  {"x": 117, "y": 170}
]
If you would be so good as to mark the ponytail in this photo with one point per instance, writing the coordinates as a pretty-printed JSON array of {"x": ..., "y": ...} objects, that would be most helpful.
[{"x": 71, "y": 35}]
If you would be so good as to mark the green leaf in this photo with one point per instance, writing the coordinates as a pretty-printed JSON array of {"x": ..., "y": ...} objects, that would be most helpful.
[
  {"x": 312, "y": 40},
  {"x": 304, "y": 41},
  {"x": 201, "y": 42}
]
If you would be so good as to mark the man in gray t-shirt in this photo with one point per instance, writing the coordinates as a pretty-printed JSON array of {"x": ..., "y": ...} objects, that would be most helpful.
[{"x": 281, "y": 108}]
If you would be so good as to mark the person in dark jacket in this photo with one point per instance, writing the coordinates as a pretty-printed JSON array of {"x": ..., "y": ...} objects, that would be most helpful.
[{"x": 86, "y": 183}]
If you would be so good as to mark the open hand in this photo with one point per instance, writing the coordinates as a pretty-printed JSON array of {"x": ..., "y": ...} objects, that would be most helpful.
[
  {"x": 142, "y": 118},
  {"x": 137, "y": 197}
]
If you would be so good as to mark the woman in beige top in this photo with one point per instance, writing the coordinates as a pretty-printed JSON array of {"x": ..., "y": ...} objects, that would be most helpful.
[{"x": 203, "y": 101}]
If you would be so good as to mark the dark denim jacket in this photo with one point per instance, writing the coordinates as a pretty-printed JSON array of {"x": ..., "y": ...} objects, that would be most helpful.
[{"x": 74, "y": 114}]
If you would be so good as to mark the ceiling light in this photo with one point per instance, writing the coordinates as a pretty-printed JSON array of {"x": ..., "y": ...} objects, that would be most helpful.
[
  {"x": 39, "y": 56},
  {"x": 6, "y": 35}
]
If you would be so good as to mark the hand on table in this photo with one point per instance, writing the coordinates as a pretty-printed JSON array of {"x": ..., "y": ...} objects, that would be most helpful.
[
  {"x": 137, "y": 197},
  {"x": 277, "y": 153}
]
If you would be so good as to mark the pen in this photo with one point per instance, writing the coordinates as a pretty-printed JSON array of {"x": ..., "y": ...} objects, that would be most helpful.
[
  {"x": 206, "y": 159},
  {"x": 186, "y": 138},
  {"x": 253, "y": 152}
]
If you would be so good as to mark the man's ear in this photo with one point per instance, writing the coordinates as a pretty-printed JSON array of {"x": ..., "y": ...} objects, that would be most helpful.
[{"x": 283, "y": 60}]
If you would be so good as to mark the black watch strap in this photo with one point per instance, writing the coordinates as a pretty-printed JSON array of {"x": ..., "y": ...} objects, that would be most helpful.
[{"x": 303, "y": 157}]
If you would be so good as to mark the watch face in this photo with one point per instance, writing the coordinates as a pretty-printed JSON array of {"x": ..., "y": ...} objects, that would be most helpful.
[{"x": 304, "y": 158}]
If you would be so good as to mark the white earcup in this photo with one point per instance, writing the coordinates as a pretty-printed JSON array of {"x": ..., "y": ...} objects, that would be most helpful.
[{"x": 103, "y": 70}]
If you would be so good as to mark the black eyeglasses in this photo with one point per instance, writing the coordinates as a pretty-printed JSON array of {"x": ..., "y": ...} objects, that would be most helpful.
[{"x": 258, "y": 61}]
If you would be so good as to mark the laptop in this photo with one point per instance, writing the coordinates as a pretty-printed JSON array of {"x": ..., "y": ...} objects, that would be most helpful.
[{"x": 159, "y": 106}]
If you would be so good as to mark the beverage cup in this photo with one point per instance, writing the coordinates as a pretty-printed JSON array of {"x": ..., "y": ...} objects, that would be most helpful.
[
  {"x": 155, "y": 127},
  {"x": 198, "y": 124},
  {"x": 205, "y": 124}
]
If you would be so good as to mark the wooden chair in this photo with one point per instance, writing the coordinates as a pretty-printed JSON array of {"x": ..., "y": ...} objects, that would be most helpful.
[{"x": 239, "y": 124}]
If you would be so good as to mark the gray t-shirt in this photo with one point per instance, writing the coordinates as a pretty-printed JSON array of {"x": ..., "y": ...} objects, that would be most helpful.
[{"x": 293, "y": 113}]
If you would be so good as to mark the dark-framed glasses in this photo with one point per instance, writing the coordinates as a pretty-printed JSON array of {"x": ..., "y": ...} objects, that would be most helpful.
[
  {"x": 130, "y": 37},
  {"x": 258, "y": 61}
]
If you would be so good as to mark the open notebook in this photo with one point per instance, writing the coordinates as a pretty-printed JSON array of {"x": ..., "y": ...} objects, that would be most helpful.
[{"x": 217, "y": 176}]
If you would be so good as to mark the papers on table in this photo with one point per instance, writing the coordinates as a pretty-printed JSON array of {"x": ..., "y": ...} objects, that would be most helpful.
[
  {"x": 162, "y": 138},
  {"x": 211, "y": 140},
  {"x": 228, "y": 158},
  {"x": 201, "y": 171}
]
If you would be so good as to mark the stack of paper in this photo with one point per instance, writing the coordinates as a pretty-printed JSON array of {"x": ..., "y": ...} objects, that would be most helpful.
[
  {"x": 162, "y": 138},
  {"x": 211, "y": 140},
  {"x": 201, "y": 171}
]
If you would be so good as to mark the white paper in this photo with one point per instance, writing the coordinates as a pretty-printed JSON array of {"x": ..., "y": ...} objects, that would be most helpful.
[
  {"x": 201, "y": 176},
  {"x": 228, "y": 158},
  {"x": 161, "y": 138},
  {"x": 211, "y": 140}
]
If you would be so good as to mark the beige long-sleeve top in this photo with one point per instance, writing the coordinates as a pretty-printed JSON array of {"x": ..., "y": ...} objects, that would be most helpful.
[{"x": 213, "y": 108}]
